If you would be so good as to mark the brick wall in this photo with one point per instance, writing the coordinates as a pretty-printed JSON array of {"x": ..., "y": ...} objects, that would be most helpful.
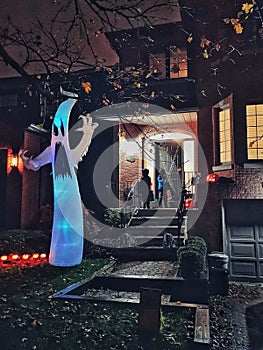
[
  {"x": 247, "y": 185},
  {"x": 129, "y": 172}
]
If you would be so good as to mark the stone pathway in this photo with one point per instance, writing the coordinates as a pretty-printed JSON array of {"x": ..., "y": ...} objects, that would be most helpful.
[{"x": 147, "y": 268}]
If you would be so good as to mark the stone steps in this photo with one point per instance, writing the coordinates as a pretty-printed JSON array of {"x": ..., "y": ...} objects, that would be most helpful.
[{"x": 148, "y": 226}]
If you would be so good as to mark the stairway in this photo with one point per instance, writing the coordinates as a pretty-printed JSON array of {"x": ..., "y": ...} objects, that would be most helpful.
[{"x": 148, "y": 226}]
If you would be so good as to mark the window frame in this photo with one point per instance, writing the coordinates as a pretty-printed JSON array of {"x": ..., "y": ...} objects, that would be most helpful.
[
  {"x": 256, "y": 138},
  {"x": 218, "y": 164},
  {"x": 166, "y": 60}
]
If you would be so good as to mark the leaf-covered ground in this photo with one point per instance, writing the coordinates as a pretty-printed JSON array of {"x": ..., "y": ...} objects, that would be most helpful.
[{"x": 31, "y": 319}]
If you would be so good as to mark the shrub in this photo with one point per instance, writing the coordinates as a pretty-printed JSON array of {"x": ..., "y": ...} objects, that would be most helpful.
[
  {"x": 198, "y": 243},
  {"x": 115, "y": 217},
  {"x": 192, "y": 258}
]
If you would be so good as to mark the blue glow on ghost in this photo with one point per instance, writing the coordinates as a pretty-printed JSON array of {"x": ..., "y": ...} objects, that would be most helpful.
[{"x": 67, "y": 231}]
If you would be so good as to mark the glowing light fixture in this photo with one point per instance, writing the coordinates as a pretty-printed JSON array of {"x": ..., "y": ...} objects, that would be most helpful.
[
  {"x": 13, "y": 161},
  {"x": 212, "y": 178}
]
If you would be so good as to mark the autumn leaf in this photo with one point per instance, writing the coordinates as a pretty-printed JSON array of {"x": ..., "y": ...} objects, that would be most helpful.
[
  {"x": 205, "y": 54},
  {"x": 138, "y": 85},
  {"x": 148, "y": 75},
  {"x": 190, "y": 38},
  {"x": 105, "y": 101},
  {"x": 217, "y": 47},
  {"x": 172, "y": 107},
  {"x": 204, "y": 42},
  {"x": 238, "y": 28},
  {"x": 117, "y": 85},
  {"x": 247, "y": 8},
  {"x": 87, "y": 87}
]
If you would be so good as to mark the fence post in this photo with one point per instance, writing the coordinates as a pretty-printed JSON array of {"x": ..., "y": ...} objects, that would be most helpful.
[{"x": 149, "y": 312}]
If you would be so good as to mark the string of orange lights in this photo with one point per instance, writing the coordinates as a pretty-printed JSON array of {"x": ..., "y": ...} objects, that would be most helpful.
[{"x": 23, "y": 259}]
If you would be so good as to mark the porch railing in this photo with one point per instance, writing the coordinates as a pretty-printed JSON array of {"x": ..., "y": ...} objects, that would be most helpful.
[{"x": 132, "y": 202}]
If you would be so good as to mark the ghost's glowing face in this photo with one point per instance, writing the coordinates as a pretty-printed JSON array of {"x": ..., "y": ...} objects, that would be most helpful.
[{"x": 60, "y": 144}]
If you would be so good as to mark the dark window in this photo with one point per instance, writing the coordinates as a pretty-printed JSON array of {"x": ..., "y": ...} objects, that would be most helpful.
[{"x": 8, "y": 100}]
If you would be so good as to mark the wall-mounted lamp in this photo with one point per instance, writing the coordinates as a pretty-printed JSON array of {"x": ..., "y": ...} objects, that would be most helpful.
[
  {"x": 215, "y": 178},
  {"x": 13, "y": 161},
  {"x": 212, "y": 178}
]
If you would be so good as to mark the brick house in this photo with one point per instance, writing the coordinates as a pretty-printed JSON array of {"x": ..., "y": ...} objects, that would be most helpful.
[
  {"x": 211, "y": 98},
  {"x": 17, "y": 110},
  {"x": 229, "y": 97}
]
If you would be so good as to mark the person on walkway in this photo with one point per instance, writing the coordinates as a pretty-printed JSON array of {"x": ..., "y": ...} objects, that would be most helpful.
[
  {"x": 161, "y": 189},
  {"x": 144, "y": 188}
]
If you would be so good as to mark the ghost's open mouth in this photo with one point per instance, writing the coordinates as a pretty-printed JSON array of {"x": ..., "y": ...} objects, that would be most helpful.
[{"x": 61, "y": 164}]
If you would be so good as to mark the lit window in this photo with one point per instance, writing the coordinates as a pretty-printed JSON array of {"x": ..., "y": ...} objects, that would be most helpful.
[
  {"x": 178, "y": 63},
  {"x": 254, "y": 115},
  {"x": 172, "y": 65},
  {"x": 225, "y": 136}
]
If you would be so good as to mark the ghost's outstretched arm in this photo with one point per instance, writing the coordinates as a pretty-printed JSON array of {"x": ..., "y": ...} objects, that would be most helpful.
[
  {"x": 82, "y": 148},
  {"x": 35, "y": 163}
]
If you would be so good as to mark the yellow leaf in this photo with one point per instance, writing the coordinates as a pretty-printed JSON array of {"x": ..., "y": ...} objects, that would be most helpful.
[
  {"x": 247, "y": 7},
  {"x": 138, "y": 85},
  {"x": 190, "y": 38},
  {"x": 205, "y": 54},
  {"x": 87, "y": 87},
  {"x": 148, "y": 75}
]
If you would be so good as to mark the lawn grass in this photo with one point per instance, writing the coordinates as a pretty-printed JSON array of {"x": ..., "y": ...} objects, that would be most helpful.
[{"x": 31, "y": 319}]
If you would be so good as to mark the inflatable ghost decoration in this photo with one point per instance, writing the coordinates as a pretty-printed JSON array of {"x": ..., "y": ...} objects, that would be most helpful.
[{"x": 67, "y": 231}]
